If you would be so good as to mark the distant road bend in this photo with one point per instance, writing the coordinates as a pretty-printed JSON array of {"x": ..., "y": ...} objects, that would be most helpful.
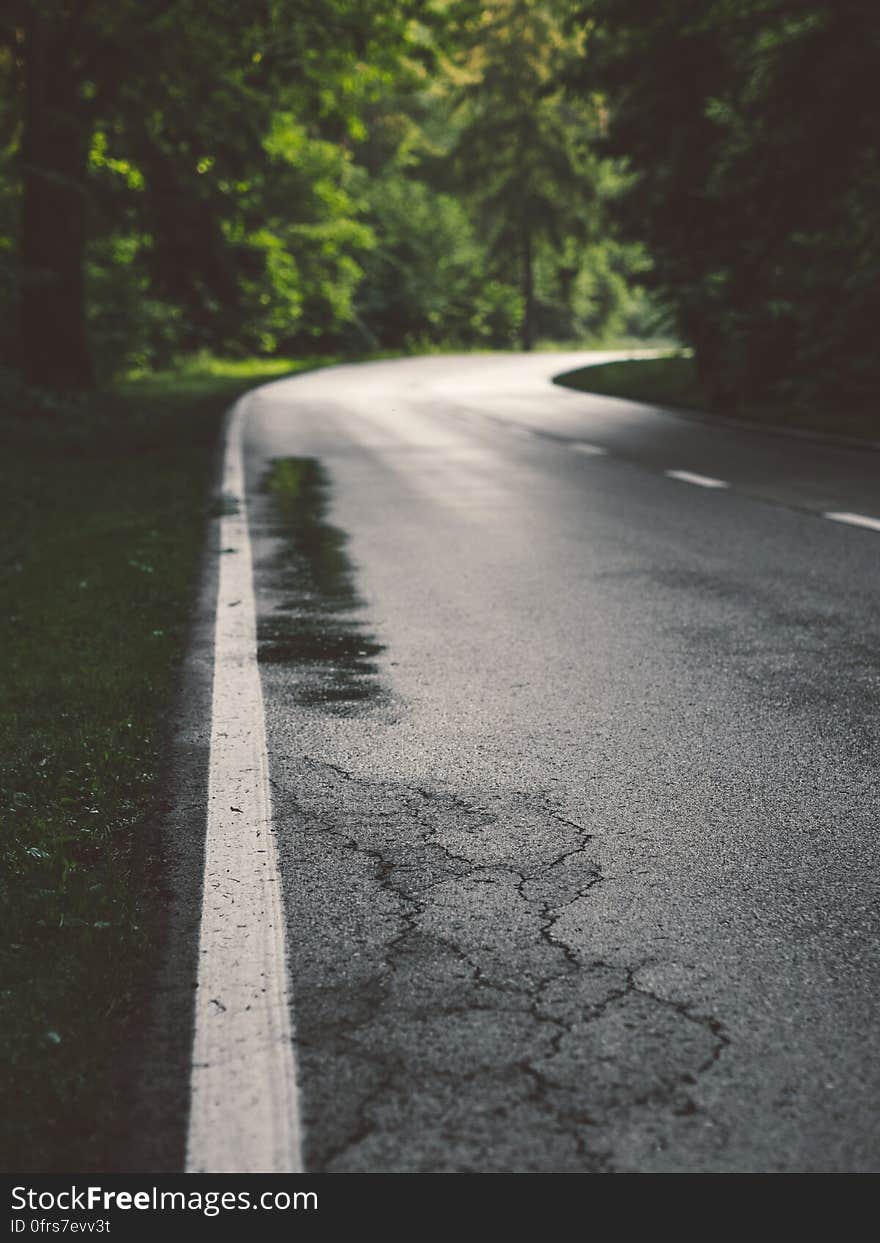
[{"x": 571, "y": 717}]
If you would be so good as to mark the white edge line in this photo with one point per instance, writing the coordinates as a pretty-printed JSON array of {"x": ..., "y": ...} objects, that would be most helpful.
[
  {"x": 244, "y": 1109},
  {"x": 701, "y": 481},
  {"x": 584, "y": 446},
  {"x": 854, "y": 520}
]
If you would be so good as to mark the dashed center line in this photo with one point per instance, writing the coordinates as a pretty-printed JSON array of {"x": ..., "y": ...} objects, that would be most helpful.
[
  {"x": 854, "y": 520},
  {"x": 588, "y": 449},
  {"x": 701, "y": 481}
]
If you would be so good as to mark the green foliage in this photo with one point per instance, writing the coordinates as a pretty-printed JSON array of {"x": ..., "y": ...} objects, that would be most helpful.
[
  {"x": 517, "y": 149},
  {"x": 299, "y": 222},
  {"x": 752, "y": 128},
  {"x": 197, "y": 155},
  {"x": 426, "y": 282},
  {"x": 419, "y": 179},
  {"x": 591, "y": 293},
  {"x": 522, "y": 153}
]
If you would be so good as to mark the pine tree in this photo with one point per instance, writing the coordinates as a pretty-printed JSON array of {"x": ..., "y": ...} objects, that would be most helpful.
[{"x": 523, "y": 152}]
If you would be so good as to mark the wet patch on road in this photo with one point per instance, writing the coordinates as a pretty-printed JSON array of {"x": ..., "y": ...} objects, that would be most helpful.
[
  {"x": 451, "y": 1012},
  {"x": 316, "y": 624}
]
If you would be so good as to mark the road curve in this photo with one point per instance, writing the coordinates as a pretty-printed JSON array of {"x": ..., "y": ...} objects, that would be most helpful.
[{"x": 574, "y": 772}]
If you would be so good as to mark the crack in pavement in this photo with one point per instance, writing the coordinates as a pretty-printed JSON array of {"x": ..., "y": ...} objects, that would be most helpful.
[{"x": 444, "y": 1020}]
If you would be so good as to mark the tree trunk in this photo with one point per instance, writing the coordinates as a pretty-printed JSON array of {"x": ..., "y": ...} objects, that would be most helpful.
[
  {"x": 527, "y": 331},
  {"x": 52, "y": 308}
]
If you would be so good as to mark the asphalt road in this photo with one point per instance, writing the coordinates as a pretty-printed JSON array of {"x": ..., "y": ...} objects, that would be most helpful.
[{"x": 574, "y": 768}]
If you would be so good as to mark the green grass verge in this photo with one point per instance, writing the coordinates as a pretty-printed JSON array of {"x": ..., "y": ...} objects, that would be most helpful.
[
  {"x": 667, "y": 381},
  {"x": 106, "y": 503},
  {"x": 672, "y": 381}
]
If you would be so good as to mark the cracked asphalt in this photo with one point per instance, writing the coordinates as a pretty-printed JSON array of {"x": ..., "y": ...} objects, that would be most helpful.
[{"x": 574, "y": 770}]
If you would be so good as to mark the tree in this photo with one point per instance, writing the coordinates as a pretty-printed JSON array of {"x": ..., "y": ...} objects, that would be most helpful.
[
  {"x": 184, "y": 92},
  {"x": 751, "y": 128},
  {"x": 428, "y": 279},
  {"x": 523, "y": 153}
]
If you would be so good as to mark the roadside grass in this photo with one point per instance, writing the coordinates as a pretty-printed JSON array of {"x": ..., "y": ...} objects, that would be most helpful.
[
  {"x": 669, "y": 381},
  {"x": 106, "y": 503},
  {"x": 672, "y": 381}
]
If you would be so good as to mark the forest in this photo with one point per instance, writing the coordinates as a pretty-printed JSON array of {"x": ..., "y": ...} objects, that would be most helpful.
[
  {"x": 277, "y": 178},
  {"x": 285, "y": 177}
]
